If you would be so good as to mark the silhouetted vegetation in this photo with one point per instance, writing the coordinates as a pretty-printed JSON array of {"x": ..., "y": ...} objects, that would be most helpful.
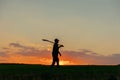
[{"x": 42, "y": 72}]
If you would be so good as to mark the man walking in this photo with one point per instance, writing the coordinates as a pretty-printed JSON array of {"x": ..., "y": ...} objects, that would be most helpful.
[{"x": 55, "y": 52}]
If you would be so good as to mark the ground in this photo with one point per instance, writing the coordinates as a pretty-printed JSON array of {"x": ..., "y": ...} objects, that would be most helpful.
[{"x": 45, "y": 72}]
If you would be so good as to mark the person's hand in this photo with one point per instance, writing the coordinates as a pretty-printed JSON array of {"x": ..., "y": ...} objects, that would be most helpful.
[
  {"x": 61, "y": 46},
  {"x": 60, "y": 54}
]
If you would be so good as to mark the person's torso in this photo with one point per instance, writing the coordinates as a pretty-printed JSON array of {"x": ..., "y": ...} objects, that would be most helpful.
[{"x": 55, "y": 50}]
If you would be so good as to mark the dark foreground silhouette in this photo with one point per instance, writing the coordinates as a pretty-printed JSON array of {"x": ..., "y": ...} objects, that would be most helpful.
[
  {"x": 42, "y": 72},
  {"x": 112, "y": 78},
  {"x": 55, "y": 52}
]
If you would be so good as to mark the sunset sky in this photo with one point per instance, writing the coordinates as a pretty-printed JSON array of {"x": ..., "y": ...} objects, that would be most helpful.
[{"x": 89, "y": 30}]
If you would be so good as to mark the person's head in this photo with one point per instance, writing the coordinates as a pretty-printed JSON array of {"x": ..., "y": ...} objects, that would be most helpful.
[{"x": 56, "y": 40}]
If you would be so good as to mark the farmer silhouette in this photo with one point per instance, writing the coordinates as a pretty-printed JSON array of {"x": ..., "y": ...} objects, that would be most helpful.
[{"x": 55, "y": 52}]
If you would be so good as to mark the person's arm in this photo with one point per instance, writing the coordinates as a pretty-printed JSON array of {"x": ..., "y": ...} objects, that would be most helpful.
[
  {"x": 52, "y": 42},
  {"x": 61, "y": 46},
  {"x": 59, "y": 53}
]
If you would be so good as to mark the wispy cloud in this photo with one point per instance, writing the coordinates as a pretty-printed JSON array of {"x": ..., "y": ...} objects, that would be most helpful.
[
  {"x": 3, "y": 54},
  {"x": 20, "y": 53},
  {"x": 92, "y": 58}
]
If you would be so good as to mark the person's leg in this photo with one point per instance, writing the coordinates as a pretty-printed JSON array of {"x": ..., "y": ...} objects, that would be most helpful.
[
  {"x": 53, "y": 63},
  {"x": 57, "y": 62}
]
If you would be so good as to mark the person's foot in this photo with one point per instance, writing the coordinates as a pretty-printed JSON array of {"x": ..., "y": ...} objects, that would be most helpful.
[{"x": 58, "y": 66}]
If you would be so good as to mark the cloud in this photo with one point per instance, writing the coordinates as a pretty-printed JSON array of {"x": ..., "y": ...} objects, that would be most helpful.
[
  {"x": 17, "y": 52},
  {"x": 29, "y": 50},
  {"x": 16, "y": 45},
  {"x": 3, "y": 54},
  {"x": 92, "y": 59},
  {"x": 87, "y": 51}
]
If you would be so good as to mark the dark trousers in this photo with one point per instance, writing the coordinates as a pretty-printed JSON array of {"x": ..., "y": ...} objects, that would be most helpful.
[{"x": 55, "y": 59}]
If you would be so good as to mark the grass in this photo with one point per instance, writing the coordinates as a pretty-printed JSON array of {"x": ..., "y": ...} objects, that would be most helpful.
[{"x": 42, "y": 72}]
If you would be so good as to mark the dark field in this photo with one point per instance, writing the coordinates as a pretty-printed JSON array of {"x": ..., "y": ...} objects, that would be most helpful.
[{"x": 41, "y": 72}]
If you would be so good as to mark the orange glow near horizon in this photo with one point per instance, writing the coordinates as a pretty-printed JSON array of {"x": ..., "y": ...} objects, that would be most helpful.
[
  {"x": 33, "y": 60},
  {"x": 36, "y": 54},
  {"x": 33, "y": 54},
  {"x": 65, "y": 62}
]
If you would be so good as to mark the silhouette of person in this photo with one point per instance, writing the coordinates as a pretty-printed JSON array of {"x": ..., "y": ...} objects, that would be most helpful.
[
  {"x": 55, "y": 52},
  {"x": 112, "y": 78}
]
